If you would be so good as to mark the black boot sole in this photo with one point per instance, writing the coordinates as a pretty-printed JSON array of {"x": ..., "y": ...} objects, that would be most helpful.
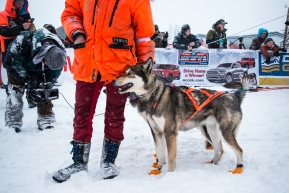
[
  {"x": 110, "y": 177},
  {"x": 59, "y": 181},
  {"x": 17, "y": 130}
]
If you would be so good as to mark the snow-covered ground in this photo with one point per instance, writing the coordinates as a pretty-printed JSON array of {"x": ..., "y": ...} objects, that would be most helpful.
[{"x": 29, "y": 159}]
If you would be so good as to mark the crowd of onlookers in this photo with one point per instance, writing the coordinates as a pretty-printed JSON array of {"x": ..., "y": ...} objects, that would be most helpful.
[{"x": 216, "y": 39}]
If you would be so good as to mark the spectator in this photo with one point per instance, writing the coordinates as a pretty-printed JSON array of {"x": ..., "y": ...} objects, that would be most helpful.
[
  {"x": 103, "y": 51},
  {"x": 257, "y": 41},
  {"x": 216, "y": 37},
  {"x": 26, "y": 61},
  {"x": 160, "y": 38},
  {"x": 269, "y": 45},
  {"x": 185, "y": 40},
  {"x": 14, "y": 19}
]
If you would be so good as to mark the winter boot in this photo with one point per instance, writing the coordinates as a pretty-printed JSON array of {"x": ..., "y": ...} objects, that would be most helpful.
[
  {"x": 108, "y": 169},
  {"x": 80, "y": 158},
  {"x": 17, "y": 130}
]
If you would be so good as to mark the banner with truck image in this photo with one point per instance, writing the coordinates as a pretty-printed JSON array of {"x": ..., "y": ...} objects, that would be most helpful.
[{"x": 210, "y": 67}]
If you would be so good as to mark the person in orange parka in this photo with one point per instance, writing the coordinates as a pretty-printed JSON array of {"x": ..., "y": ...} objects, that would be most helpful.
[
  {"x": 109, "y": 36},
  {"x": 13, "y": 19}
]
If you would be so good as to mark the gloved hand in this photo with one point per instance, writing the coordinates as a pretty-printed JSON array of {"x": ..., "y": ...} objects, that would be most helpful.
[
  {"x": 166, "y": 35},
  {"x": 144, "y": 51},
  {"x": 276, "y": 54},
  {"x": 35, "y": 96},
  {"x": 283, "y": 49},
  {"x": 268, "y": 59}
]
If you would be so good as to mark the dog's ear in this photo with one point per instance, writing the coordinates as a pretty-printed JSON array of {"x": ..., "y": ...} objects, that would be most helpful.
[{"x": 148, "y": 65}]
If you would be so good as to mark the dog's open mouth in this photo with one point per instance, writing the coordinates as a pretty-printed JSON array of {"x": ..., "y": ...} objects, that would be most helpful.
[{"x": 125, "y": 87}]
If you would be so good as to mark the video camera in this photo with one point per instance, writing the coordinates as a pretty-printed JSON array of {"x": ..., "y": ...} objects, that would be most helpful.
[{"x": 41, "y": 95}]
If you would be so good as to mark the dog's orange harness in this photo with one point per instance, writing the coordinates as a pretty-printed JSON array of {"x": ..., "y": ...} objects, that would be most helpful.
[{"x": 210, "y": 98}]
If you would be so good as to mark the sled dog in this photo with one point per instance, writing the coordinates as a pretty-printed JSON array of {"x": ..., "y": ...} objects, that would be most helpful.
[{"x": 169, "y": 109}]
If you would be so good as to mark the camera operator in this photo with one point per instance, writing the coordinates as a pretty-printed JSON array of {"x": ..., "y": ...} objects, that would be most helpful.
[
  {"x": 13, "y": 19},
  {"x": 160, "y": 38},
  {"x": 35, "y": 58},
  {"x": 185, "y": 40}
]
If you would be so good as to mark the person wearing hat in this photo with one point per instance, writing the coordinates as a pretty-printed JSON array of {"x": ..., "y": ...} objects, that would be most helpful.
[
  {"x": 13, "y": 19},
  {"x": 267, "y": 45},
  {"x": 259, "y": 39},
  {"x": 160, "y": 38},
  {"x": 35, "y": 59},
  {"x": 216, "y": 37},
  {"x": 185, "y": 40}
]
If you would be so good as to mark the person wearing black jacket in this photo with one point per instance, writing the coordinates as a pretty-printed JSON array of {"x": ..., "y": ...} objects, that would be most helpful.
[{"x": 185, "y": 40}]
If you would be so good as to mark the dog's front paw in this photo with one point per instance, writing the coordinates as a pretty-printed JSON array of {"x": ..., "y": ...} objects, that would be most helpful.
[
  {"x": 238, "y": 170},
  {"x": 155, "y": 172},
  {"x": 211, "y": 162}
]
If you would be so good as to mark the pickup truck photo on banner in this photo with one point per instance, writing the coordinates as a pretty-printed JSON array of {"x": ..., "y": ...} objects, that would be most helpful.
[{"x": 206, "y": 67}]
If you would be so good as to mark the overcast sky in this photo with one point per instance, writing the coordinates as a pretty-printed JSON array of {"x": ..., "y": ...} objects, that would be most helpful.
[{"x": 200, "y": 15}]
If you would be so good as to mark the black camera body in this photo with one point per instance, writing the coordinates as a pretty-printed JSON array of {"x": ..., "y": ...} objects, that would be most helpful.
[{"x": 38, "y": 96}]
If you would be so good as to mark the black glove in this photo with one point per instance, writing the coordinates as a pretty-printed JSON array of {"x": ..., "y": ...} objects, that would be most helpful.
[
  {"x": 268, "y": 59},
  {"x": 35, "y": 96},
  {"x": 283, "y": 49},
  {"x": 276, "y": 54},
  {"x": 166, "y": 35}
]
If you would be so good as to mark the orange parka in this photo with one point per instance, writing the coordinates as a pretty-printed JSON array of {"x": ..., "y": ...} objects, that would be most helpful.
[
  {"x": 110, "y": 28},
  {"x": 7, "y": 19}
]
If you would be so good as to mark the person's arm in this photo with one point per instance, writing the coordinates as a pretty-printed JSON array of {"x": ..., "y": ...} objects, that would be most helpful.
[
  {"x": 264, "y": 51},
  {"x": 210, "y": 40},
  {"x": 14, "y": 61},
  {"x": 196, "y": 41},
  {"x": 164, "y": 43},
  {"x": 72, "y": 20},
  {"x": 7, "y": 31},
  {"x": 178, "y": 45},
  {"x": 144, "y": 29},
  {"x": 254, "y": 45},
  {"x": 52, "y": 76}
]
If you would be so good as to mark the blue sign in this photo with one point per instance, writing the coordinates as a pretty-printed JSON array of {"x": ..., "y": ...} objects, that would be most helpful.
[{"x": 278, "y": 65}]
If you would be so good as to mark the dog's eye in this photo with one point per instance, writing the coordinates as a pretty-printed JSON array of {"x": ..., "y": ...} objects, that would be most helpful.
[{"x": 128, "y": 74}]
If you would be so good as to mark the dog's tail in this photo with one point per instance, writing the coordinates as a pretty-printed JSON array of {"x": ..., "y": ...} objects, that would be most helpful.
[{"x": 240, "y": 87}]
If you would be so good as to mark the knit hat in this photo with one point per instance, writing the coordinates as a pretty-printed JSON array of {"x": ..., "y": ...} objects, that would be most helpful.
[
  {"x": 268, "y": 40},
  {"x": 55, "y": 58},
  {"x": 185, "y": 27},
  {"x": 220, "y": 21},
  {"x": 262, "y": 30}
]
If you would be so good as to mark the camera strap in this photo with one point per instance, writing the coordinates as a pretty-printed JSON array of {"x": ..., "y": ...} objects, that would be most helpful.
[{"x": 43, "y": 73}]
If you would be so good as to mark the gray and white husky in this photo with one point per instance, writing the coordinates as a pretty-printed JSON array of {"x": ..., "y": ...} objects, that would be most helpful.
[{"x": 169, "y": 110}]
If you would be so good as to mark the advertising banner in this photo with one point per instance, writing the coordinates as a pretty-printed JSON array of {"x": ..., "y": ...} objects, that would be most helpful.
[
  {"x": 274, "y": 73},
  {"x": 206, "y": 67}
]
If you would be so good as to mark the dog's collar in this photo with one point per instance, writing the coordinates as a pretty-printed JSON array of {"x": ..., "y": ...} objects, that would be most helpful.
[{"x": 133, "y": 96}]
